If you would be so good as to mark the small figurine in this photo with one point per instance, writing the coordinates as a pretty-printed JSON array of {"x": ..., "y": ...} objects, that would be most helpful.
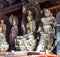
[
  {"x": 30, "y": 26},
  {"x": 3, "y": 26},
  {"x": 14, "y": 31}
]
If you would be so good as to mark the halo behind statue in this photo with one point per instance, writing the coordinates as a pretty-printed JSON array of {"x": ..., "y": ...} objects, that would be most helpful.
[{"x": 11, "y": 18}]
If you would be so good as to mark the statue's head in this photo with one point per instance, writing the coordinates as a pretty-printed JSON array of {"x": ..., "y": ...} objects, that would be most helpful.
[
  {"x": 29, "y": 12},
  {"x": 47, "y": 13},
  {"x": 13, "y": 20},
  {"x": 2, "y": 21}
]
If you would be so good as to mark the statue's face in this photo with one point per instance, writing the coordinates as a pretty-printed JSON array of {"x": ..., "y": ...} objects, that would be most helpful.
[
  {"x": 47, "y": 13},
  {"x": 29, "y": 12},
  {"x": 14, "y": 22},
  {"x": 2, "y": 21}
]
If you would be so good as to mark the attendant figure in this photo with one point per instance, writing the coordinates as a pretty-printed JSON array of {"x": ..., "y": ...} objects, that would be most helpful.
[
  {"x": 13, "y": 33},
  {"x": 48, "y": 30}
]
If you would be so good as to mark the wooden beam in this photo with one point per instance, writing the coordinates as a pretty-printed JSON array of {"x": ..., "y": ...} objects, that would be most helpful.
[
  {"x": 11, "y": 8},
  {"x": 54, "y": 7}
]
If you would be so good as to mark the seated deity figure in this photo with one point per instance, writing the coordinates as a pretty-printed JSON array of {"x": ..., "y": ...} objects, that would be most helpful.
[
  {"x": 3, "y": 44},
  {"x": 27, "y": 42}
]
